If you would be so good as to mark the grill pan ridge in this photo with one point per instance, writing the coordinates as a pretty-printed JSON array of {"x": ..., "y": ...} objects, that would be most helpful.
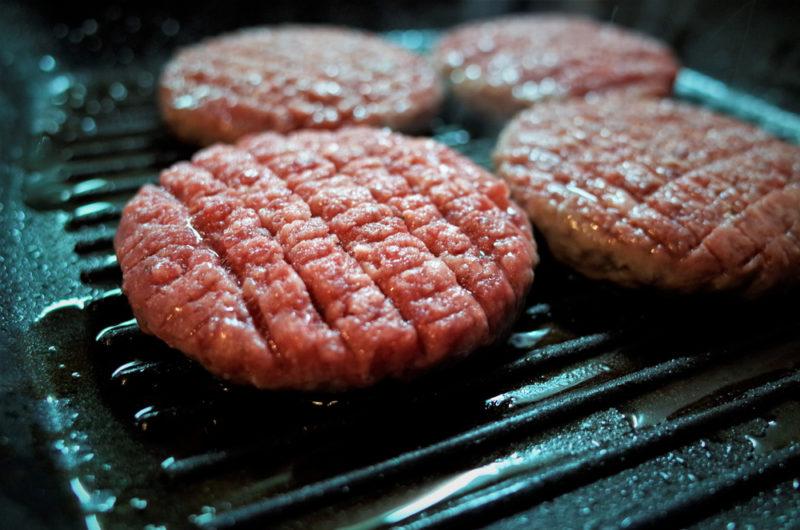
[{"x": 604, "y": 407}]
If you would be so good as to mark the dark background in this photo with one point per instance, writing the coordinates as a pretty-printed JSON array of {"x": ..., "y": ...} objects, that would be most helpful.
[{"x": 751, "y": 44}]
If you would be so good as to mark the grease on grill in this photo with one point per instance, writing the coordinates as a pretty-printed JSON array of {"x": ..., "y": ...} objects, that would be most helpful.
[
  {"x": 782, "y": 429},
  {"x": 681, "y": 395},
  {"x": 567, "y": 378}
]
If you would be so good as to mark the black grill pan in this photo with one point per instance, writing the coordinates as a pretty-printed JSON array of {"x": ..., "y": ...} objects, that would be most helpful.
[{"x": 604, "y": 408}]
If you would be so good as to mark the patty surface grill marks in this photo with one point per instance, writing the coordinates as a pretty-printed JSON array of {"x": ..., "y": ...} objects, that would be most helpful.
[
  {"x": 180, "y": 283},
  {"x": 348, "y": 268},
  {"x": 285, "y": 78},
  {"x": 499, "y": 67},
  {"x": 658, "y": 193}
]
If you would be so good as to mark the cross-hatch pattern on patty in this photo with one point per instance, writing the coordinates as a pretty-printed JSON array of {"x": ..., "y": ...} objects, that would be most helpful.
[
  {"x": 502, "y": 66},
  {"x": 286, "y": 78},
  {"x": 331, "y": 259},
  {"x": 655, "y": 192}
]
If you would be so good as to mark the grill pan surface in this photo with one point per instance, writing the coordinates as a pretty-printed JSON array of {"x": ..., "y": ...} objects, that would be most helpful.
[{"x": 604, "y": 408}]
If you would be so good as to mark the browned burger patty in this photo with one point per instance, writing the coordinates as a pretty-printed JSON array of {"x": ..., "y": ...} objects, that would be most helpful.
[
  {"x": 325, "y": 260},
  {"x": 294, "y": 77},
  {"x": 654, "y": 192},
  {"x": 502, "y": 66}
]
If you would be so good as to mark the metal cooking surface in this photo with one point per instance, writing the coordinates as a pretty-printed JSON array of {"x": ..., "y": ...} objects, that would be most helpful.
[{"x": 605, "y": 407}]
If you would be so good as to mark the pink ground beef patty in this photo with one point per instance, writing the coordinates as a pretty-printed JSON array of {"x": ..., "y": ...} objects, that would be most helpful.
[
  {"x": 286, "y": 78},
  {"x": 325, "y": 260},
  {"x": 502, "y": 66},
  {"x": 656, "y": 192}
]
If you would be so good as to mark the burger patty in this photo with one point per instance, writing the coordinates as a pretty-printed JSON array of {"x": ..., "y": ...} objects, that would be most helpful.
[
  {"x": 325, "y": 259},
  {"x": 294, "y": 77},
  {"x": 502, "y": 66},
  {"x": 656, "y": 192}
]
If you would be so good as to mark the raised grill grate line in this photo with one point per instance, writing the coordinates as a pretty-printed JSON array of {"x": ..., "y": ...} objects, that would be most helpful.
[
  {"x": 470, "y": 440},
  {"x": 121, "y": 331},
  {"x": 106, "y": 270},
  {"x": 499, "y": 377},
  {"x": 130, "y": 125},
  {"x": 99, "y": 188},
  {"x": 94, "y": 213},
  {"x": 722, "y": 492},
  {"x": 508, "y": 496},
  {"x": 97, "y": 244},
  {"x": 111, "y": 166},
  {"x": 546, "y": 356},
  {"x": 125, "y": 145}
]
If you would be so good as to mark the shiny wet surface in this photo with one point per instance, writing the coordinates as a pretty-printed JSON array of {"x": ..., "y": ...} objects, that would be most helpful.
[{"x": 143, "y": 436}]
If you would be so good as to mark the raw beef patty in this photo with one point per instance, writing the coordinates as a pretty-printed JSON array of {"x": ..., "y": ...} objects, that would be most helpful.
[
  {"x": 294, "y": 77},
  {"x": 502, "y": 66},
  {"x": 325, "y": 260},
  {"x": 656, "y": 192}
]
